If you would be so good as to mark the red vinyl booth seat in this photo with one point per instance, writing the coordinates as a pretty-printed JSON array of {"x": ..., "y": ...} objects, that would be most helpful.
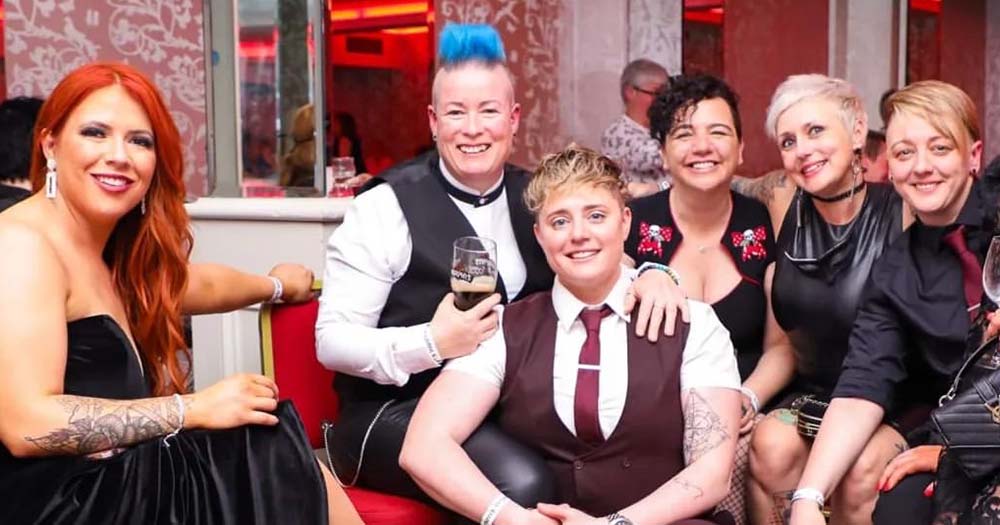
[{"x": 288, "y": 353}]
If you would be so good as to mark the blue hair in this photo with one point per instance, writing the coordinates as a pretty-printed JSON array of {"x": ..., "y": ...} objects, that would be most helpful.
[{"x": 460, "y": 43}]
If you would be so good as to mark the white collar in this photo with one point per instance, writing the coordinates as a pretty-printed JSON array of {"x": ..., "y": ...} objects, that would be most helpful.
[
  {"x": 454, "y": 182},
  {"x": 568, "y": 307}
]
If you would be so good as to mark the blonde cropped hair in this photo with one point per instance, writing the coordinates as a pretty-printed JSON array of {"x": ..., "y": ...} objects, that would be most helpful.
[
  {"x": 797, "y": 88},
  {"x": 945, "y": 107},
  {"x": 569, "y": 169}
]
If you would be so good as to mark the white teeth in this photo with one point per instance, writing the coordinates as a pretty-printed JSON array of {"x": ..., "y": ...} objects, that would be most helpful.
[
  {"x": 926, "y": 186},
  {"x": 474, "y": 149},
  {"x": 582, "y": 255},
  {"x": 112, "y": 181},
  {"x": 703, "y": 165},
  {"x": 813, "y": 167}
]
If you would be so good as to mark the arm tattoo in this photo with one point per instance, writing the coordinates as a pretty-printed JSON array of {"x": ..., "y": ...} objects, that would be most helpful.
[
  {"x": 703, "y": 428},
  {"x": 761, "y": 188},
  {"x": 781, "y": 509},
  {"x": 95, "y": 425},
  {"x": 695, "y": 490}
]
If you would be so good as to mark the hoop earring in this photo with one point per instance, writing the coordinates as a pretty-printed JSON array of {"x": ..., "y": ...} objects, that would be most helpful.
[
  {"x": 434, "y": 137},
  {"x": 51, "y": 182},
  {"x": 142, "y": 205},
  {"x": 856, "y": 170}
]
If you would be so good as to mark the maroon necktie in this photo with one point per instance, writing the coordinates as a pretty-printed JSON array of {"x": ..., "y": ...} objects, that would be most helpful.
[
  {"x": 972, "y": 274},
  {"x": 588, "y": 426}
]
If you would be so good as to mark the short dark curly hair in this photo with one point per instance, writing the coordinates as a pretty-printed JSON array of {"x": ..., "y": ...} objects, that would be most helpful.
[
  {"x": 17, "y": 123},
  {"x": 672, "y": 104}
]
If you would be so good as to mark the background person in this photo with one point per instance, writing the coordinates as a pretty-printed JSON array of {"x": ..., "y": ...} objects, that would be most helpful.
[
  {"x": 648, "y": 436},
  {"x": 627, "y": 140},
  {"x": 17, "y": 121},
  {"x": 88, "y": 413}
]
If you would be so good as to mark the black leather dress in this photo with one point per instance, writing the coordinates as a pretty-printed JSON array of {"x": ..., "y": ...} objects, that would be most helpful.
[{"x": 820, "y": 272}]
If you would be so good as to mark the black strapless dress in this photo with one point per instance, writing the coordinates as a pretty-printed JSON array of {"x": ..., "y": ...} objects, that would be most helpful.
[
  {"x": 820, "y": 273},
  {"x": 246, "y": 475}
]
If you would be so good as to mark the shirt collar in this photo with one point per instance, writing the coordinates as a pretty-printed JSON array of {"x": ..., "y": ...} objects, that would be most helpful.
[
  {"x": 568, "y": 307},
  {"x": 465, "y": 193}
]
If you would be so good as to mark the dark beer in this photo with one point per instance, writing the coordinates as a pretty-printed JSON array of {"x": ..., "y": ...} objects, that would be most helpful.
[{"x": 469, "y": 294}]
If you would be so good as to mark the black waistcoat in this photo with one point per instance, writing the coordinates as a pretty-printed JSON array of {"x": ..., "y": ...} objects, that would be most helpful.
[{"x": 435, "y": 222}]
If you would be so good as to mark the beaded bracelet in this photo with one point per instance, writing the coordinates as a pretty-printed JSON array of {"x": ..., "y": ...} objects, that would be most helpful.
[
  {"x": 752, "y": 396},
  {"x": 646, "y": 266},
  {"x": 493, "y": 510}
]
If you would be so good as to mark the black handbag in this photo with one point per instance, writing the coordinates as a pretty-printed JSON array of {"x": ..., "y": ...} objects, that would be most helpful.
[
  {"x": 809, "y": 412},
  {"x": 969, "y": 422}
]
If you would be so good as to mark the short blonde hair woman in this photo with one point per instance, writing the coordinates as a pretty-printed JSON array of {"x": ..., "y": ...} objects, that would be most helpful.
[{"x": 832, "y": 227}]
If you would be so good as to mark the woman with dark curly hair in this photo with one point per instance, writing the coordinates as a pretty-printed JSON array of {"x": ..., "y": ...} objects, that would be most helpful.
[{"x": 721, "y": 243}]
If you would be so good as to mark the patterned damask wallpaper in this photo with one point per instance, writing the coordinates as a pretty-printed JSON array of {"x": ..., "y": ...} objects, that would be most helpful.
[
  {"x": 991, "y": 121},
  {"x": 531, "y": 33},
  {"x": 45, "y": 39},
  {"x": 655, "y": 32}
]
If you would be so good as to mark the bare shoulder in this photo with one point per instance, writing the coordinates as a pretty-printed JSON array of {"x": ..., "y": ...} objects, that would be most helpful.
[
  {"x": 774, "y": 189},
  {"x": 29, "y": 255}
]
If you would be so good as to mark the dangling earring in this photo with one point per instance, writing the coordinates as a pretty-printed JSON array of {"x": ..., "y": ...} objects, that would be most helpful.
[
  {"x": 856, "y": 170},
  {"x": 51, "y": 183},
  {"x": 434, "y": 137},
  {"x": 142, "y": 205}
]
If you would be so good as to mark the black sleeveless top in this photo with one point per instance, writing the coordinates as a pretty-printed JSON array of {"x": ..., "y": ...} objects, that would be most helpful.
[
  {"x": 820, "y": 273},
  {"x": 748, "y": 239}
]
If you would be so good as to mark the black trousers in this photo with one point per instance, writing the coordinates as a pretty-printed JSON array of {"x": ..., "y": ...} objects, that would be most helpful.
[
  {"x": 517, "y": 470},
  {"x": 905, "y": 503}
]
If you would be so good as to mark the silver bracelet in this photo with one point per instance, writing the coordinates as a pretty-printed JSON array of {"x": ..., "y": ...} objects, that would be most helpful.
[
  {"x": 180, "y": 425},
  {"x": 810, "y": 494},
  {"x": 432, "y": 348},
  {"x": 493, "y": 510},
  {"x": 752, "y": 396},
  {"x": 279, "y": 289}
]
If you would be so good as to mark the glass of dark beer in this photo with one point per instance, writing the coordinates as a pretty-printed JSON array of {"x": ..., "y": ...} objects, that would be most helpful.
[{"x": 473, "y": 270}]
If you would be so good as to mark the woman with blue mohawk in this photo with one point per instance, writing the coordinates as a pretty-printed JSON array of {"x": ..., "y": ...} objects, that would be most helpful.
[{"x": 388, "y": 320}]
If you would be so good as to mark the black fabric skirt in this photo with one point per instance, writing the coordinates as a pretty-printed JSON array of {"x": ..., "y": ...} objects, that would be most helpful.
[{"x": 245, "y": 475}]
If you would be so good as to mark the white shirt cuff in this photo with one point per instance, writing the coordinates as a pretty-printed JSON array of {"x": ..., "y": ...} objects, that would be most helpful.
[{"x": 411, "y": 353}]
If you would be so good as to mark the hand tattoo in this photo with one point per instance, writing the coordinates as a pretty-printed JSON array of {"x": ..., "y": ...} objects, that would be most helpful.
[
  {"x": 703, "y": 428},
  {"x": 95, "y": 425}
]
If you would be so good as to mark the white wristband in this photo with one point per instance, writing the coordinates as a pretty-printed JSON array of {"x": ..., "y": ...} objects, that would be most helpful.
[
  {"x": 752, "y": 396},
  {"x": 810, "y": 494},
  {"x": 279, "y": 289},
  {"x": 493, "y": 510},
  {"x": 432, "y": 348},
  {"x": 180, "y": 425}
]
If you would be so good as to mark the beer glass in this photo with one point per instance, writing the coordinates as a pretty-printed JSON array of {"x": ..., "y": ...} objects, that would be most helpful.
[{"x": 473, "y": 270}]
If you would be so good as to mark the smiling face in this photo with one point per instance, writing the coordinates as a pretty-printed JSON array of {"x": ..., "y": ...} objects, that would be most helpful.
[
  {"x": 929, "y": 170},
  {"x": 582, "y": 231},
  {"x": 474, "y": 118},
  {"x": 702, "y": 150},
  {"x": 105, "y": 155},
  {"x": 816, "y": 148}
]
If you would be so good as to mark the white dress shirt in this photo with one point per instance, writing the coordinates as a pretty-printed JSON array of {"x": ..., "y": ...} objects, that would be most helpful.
[
  {"x": 709, "y": 358},
  {"x": 365, "y": 256}
]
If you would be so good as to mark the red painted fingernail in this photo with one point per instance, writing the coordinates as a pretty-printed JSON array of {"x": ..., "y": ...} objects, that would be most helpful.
[{"x": 929, "y": 491}]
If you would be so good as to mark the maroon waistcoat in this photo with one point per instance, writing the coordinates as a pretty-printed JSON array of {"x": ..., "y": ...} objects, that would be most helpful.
[{"x": 645, "y": 449}]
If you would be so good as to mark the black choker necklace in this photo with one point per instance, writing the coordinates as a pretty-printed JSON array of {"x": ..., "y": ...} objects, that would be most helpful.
[{"x": 839, "y": 196}]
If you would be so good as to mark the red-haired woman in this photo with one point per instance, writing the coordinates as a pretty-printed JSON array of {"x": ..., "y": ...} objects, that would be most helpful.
[{"x": 95, "y": 422}]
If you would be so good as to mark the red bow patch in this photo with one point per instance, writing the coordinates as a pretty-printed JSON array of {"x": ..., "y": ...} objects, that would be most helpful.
[
  {"x": 652, "y": 237},
  {"x": 752, "y": 243}
]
